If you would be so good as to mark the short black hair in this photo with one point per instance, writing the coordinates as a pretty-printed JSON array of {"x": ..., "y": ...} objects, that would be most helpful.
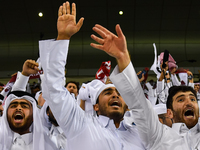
[
  {"x": 76, "y": 83},
  {"x": 174, "y": 90}
]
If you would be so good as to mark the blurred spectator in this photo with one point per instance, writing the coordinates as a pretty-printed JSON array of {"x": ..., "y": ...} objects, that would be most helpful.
[
  {"x": 1, "y": 86},
  {"x": 73, "y": 87}
]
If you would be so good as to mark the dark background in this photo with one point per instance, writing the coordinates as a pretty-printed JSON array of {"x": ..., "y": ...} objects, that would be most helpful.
[{"x": 171, "y": 24}]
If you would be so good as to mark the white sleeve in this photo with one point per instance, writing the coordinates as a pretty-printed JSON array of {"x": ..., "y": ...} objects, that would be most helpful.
[
  {"x": 20, "y": 83},
  {"x": 146, "y": 120},
  {"x": 68, "y": 114},
  {"x": 160, "y": 86},
  {"x": 191, "y": 84}
]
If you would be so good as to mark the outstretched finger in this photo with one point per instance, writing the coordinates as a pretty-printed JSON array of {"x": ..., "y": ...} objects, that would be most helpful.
[
  {"x": 68, "y": 7},
  {"x": 64, "y": 8},
  {"x": 100, "y": 32},
  {"x": 97, "y": 39},
  {"x": 60, "y": 11},
  {"x": 74, "y": 9},
  {"x": 80, "y": 23},
  {"x": 119, "y": 31},
  {"x": 97, "y": 46},
  {"x": 104, "y": 30}
]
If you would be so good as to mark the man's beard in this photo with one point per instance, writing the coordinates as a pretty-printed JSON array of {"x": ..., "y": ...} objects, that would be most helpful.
[{"x": 22, "y": 129}]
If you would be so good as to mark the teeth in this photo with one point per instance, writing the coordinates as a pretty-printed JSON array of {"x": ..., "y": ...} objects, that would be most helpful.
[
  {"x": 115, "y": 103},
  {"x": 18, "y": 116},
  {"x": 189, "y": 113}
]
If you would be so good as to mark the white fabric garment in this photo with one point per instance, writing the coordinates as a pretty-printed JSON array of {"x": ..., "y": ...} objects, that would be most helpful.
[
  {"x": 7, "y": 134},
  {"x": 83, "y": 131},
  {"x": 175, "y": 80},
  {"x": 6, "y": 90},
  {"x": 155, "y": 135},
  {"x": 87, "y": 92},
  {"x": 55, "y": 134},
  {"x": 156, "y": 62},
  {"x": 21, "y": 142},
  {"x": 162, "y": 91},
  {"x": 198, "y": 96},
  {"x": 183, "y": 77},
  {"x": 40, "y": 140},
  {"x": 152, "y": 96},
  {"x": 160, "y": 109}
]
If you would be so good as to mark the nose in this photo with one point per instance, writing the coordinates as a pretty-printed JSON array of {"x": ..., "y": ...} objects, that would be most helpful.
[
  {"x": 19, "y": 107},
  {"x": 188, "y": 101},
  {"x": 115, "y": 94}
]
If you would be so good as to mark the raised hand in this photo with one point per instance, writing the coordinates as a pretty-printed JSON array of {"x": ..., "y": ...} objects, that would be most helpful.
[
  {"x": 66, "y": 24},
  {"x": 30, "y": 67},
  {"x": 113, "y": 45},
  {"x": 190, "y": 76}
]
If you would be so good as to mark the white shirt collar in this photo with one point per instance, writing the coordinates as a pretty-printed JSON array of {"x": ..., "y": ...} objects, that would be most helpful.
[
  {"x": 27, "y": 138},
  {"x": 105, "y": 121},
  {"x": 181, "y": 128}
]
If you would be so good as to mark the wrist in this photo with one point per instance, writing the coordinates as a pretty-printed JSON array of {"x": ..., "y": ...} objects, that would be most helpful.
[
  {"x": 190, "y": 77},
  {"x": 25, "y": 74},
  {"x": 63, "y": 37},
  {"x": 123, "y": 61}
]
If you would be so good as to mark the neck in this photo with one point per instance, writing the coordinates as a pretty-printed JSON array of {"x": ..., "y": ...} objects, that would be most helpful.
[
  {"x": 117, "y": 123},
  {"x": 22, "y": 132}
]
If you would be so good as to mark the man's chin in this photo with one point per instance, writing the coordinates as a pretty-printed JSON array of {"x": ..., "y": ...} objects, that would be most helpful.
[{"x": 191, "y": 122}]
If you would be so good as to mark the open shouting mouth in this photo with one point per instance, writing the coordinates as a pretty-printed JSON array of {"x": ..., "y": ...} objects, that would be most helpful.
[
  {"x": 189, "y": 113},
  {"x": 115, "y": 103},
  {"x": 18, "y": 117}
]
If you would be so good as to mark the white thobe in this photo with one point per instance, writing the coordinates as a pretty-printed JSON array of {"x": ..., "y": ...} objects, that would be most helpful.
[
  {"x": 57, "y": 136},
  {"x": 162, "y": 90},
  {"x": 83, "y": 131},
  {"x": 155, "y": 135},
  {"x": 22, "y": 142}
]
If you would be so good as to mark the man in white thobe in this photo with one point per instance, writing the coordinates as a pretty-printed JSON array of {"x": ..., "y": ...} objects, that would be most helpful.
[
  {"x": 83, "y": 130},
  {"x": 183, "y": 110}
]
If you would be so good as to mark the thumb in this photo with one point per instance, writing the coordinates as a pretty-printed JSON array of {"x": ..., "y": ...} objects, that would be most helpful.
[
  {"x": 36, "y": 68},
  {"x": 80, "y": 23}
]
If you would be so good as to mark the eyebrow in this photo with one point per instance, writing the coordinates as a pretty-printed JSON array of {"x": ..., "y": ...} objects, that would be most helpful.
[
  {"x": 184, "y": 95},
  {"x": 20, "y": 103},
  {"x": 108, "y": 89}
]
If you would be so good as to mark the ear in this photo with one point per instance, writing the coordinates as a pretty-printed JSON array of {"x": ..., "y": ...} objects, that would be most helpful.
[
  {"x": 170, "y": 113},
  {"x": 160, "y": 120},
  {"x": 96, "y": 107}
]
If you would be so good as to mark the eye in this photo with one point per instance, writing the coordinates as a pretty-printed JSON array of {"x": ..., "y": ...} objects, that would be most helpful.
[
  {"x": 13, "y": 106},
  {"x": 108, "y": 93},
  {"x": 193, "y": 99},
  {"x": 25, "y": 106},
  {"x": 180, "y": 100}
]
